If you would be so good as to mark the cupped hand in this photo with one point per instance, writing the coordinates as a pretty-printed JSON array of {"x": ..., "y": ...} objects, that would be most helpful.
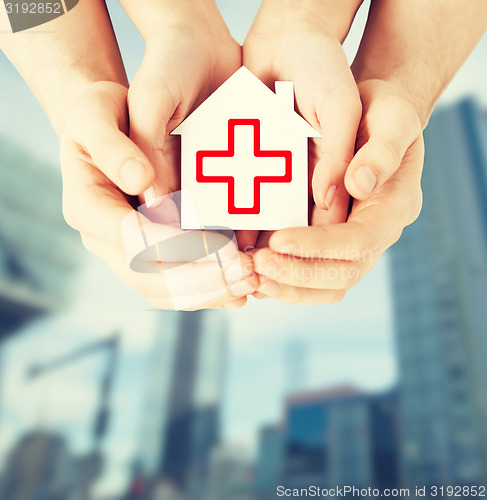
[
  {"x": 95, "y": 154},
  {"x": 319, "y": 264},
  {"x": 185, "y": 61},
  {"x": 289, "y": 42}
]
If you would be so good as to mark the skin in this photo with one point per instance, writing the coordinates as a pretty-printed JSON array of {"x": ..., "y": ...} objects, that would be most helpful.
[
  {"x": 189, "y": 54},
  {"x": 84, "y": 92},
  {"x": 319, "y": 264},
  {"x": 408, "y": 55},
  {"x": 301, "y": 42}
]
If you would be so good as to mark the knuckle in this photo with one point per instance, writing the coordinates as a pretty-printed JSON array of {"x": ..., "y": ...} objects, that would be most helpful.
[
  {"x": 415, "y": 206},
  {"x": 395, "y": 238},
  {"x": 337, "y": 296},
  {"x": 390, "y": 159},
  {"x": 71, "y": 215}
]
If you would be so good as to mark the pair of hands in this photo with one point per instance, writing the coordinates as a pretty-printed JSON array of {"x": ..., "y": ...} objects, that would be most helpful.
[{"x": 371, "y": 149}]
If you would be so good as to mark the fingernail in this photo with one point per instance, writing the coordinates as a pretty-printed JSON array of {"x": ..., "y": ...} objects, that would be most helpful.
[
  {"x": 241, "y": 289},
  {"x": 366, "y": 179},
  {"x": 150, "y": 196},
  {"x": 330, "y": 197},
  {"x": 132, "y": 173},
  {"x": 270, "y": 288},
  {"x": 233, "y": 274}
]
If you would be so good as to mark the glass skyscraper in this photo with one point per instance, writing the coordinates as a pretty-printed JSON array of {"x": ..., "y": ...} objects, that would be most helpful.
[
  {"x": 181, "y": 418},
  {"x": 330, "y": 438},
  {"x": 270, "y": 461},
  {"x": 38, "y": 251},
  {"x": 439, "y": 276}
]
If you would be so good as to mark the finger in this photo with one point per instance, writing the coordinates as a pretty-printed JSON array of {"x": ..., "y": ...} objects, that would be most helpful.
[
  {"x": 97, "y": 132},
  {"x": 305, "y": 273},
  {"x": 196, "y": 285},
  {"x": 372, "y": 223},
  {"x": 263, "y": 240},
  {"x": 151, "y": 106},
  {"x": 392, "y": 127},
  {"x": 190, "y": 286},
  {"x": 91, "y": 203},
  {"x": 348, "y": 241},
  {"x": 339, "y": 119},
  {"x": 337, "y": 213},
  {"x": 353, "y": 241},
  {"x": 94, "y": 206},
  {"x": 299, "y": 296},
  {"x": 159, "y": 98},
  {"x": 246, "y": 239},
  {"x": 236, "y": 304}
]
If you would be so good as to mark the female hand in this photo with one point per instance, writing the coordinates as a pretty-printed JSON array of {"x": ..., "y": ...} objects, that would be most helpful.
[{"x": 94, "y": 151}]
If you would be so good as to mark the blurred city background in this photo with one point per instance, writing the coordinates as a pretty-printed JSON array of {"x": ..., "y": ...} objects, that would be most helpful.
[{"x": 103, "y": 398}]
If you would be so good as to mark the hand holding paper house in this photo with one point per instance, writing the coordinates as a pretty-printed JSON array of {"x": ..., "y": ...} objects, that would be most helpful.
[{"x": 244, "y": 158}]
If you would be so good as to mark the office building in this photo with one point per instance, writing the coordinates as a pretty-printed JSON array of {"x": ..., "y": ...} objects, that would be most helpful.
[
  {"x": 181, "y": 419},
  {"x": 439, "y": 278},
  {"x": 331, "y": 438},
  {"x": 295, "y": 365},
  {"x": 270, "y": 461},
  {"x": 38, "y": 251},
  {"x": 230, "y": 475},
  {"x": 39, "y": 466}
]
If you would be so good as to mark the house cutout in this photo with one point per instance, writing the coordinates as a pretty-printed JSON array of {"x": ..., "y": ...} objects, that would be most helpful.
[{"x": 244, "y": 158}]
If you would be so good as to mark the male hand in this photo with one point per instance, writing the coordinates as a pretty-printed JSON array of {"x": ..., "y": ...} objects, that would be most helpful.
[{"x": 319, "y": 264}]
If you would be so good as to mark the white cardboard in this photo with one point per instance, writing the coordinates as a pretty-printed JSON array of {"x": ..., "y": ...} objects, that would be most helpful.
[{"x": 245, "y": 109}]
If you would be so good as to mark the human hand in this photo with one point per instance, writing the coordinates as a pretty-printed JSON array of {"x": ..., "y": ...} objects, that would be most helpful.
[
  {"x": 189, "y": 54},
  {"x": 319, "y": 264},
  {"x": 94, "y": 151},
  {"x": 301, "y": 43}
]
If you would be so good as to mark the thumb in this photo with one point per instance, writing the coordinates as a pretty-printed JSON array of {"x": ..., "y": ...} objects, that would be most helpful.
[
  {"x": 152, "y": 104},
  {"x": 392, "y": 130},
  {"x": 118, "y": 157}
]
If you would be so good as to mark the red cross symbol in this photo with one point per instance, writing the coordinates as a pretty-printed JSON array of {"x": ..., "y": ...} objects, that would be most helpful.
[{"x": 230, "y": 179}]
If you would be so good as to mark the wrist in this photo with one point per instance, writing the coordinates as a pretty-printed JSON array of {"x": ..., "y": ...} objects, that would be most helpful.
[
  {"x": 71, "y": 97},
  {"x": 331, "y": 17},
  {"x": 200, "y": 16},
  {"x": 420, "y": 97}
]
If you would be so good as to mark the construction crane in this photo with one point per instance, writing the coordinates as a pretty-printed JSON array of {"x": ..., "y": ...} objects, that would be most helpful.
[{"x": 90, "y": 465}]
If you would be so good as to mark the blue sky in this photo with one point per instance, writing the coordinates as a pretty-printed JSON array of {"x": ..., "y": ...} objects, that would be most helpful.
[{"x": 350, "y": 342}]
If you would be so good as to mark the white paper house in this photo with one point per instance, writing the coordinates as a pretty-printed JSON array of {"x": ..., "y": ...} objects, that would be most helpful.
[{"x": 244, "y": 158}]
